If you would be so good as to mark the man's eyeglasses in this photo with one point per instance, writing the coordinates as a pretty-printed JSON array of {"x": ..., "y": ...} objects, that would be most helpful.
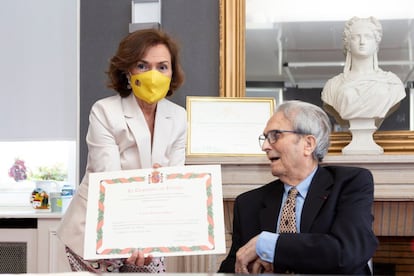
[{"x": 273, "y": 135}]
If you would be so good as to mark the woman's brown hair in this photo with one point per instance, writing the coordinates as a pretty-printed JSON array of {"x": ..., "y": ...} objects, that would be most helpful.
[{"x": 132, "y": 49}]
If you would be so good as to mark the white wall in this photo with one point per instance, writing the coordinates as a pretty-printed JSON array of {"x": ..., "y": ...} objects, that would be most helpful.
[{"x": 39, "y": 69}]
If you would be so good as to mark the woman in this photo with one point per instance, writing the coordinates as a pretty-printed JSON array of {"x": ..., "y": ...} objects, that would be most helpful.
[
  {"x": 363, "y": 90},
  {"x": 138, "y": 128}
]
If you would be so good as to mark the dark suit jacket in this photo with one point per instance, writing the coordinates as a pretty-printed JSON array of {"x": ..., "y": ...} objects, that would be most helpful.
[{"x": 336, "y": 234}]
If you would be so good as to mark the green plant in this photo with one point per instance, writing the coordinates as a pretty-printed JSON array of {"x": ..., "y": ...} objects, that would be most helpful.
[{"x": 56, "y": 172}]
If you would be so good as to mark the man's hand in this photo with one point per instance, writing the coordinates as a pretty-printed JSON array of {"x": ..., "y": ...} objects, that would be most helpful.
[
  {"x": 260, "y": 266},
  {"x": 245, "y": 255}
]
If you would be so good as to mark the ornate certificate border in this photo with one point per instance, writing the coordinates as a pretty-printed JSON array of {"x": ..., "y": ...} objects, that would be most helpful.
[
  {"x": 109, "y": 191},
  {"x": 226, "y": 126}
]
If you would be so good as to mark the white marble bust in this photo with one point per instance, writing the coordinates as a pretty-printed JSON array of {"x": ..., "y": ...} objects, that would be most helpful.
[{"x": 363, "y": 90}]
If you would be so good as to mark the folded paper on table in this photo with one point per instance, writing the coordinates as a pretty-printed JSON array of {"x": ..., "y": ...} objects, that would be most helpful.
[{"x": 169, "y": 211}]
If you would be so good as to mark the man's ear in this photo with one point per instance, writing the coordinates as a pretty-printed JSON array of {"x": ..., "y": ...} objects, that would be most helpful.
[{"x": 310, "y": 144}]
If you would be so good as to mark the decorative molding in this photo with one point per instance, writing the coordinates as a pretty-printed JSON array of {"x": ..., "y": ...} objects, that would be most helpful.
[
  {"x": 393, "y": 142},
  {"x": 232, "y": 48},
  {"x": 393, "y": 174}
]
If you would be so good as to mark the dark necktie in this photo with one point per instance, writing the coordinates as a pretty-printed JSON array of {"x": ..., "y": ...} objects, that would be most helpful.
[{"x": 288, "y": 219}]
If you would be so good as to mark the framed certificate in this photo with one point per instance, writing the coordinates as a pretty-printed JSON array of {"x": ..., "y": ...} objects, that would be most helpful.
[
  {"x": 226, "y": 126},
  {"x": 169, "y": 211}
]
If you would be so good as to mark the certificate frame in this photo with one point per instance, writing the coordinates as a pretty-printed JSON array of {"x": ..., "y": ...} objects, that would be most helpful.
[
  {"x": 148, "y": 209},
  {"x": 220, "y": 126}
]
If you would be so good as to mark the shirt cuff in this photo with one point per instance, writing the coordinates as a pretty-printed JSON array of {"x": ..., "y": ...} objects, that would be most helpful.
[{"x": 265, "y": 246}]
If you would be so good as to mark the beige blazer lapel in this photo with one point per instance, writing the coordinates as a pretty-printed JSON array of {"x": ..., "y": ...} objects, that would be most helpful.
[
  {"x": 163, "y": 125},
  {"x": 137, "y": 125}
]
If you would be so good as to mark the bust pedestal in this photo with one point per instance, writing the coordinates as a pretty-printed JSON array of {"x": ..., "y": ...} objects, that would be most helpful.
[{"x": 362, "y": 142}]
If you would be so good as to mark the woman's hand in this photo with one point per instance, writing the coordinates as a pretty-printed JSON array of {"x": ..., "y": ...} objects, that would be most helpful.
[
  {"x": 156, "y": 166},
  {"x": 137, "y": 258}
]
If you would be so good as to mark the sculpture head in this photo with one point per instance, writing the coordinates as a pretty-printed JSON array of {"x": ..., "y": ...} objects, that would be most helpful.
[{"x": 361, "y": 37}]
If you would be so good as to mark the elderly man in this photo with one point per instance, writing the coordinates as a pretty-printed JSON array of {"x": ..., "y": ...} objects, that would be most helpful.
[{"x": 312, "y": 219}]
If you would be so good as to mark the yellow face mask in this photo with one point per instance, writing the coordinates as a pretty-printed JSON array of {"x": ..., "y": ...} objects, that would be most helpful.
[{"x": 150, "y": 86}]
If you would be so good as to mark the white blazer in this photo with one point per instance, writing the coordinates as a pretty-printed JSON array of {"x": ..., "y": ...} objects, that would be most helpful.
[{"x": 118, "y": 139}]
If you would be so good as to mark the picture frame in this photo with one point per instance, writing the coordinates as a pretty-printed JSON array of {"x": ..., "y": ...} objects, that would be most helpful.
[{"x": 220, "y": 126}]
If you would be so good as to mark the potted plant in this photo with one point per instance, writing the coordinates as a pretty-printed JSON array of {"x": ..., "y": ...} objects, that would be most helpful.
[
  {"x": 46, "y": 178},
  {"x": 56, "y": 173}
]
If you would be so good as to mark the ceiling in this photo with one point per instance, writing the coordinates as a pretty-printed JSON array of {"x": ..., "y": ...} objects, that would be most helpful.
[{"x": 307, "y": 54}]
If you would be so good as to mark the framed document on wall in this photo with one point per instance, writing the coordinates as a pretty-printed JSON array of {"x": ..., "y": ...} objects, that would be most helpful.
[{"x": 226, "y": 126}]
